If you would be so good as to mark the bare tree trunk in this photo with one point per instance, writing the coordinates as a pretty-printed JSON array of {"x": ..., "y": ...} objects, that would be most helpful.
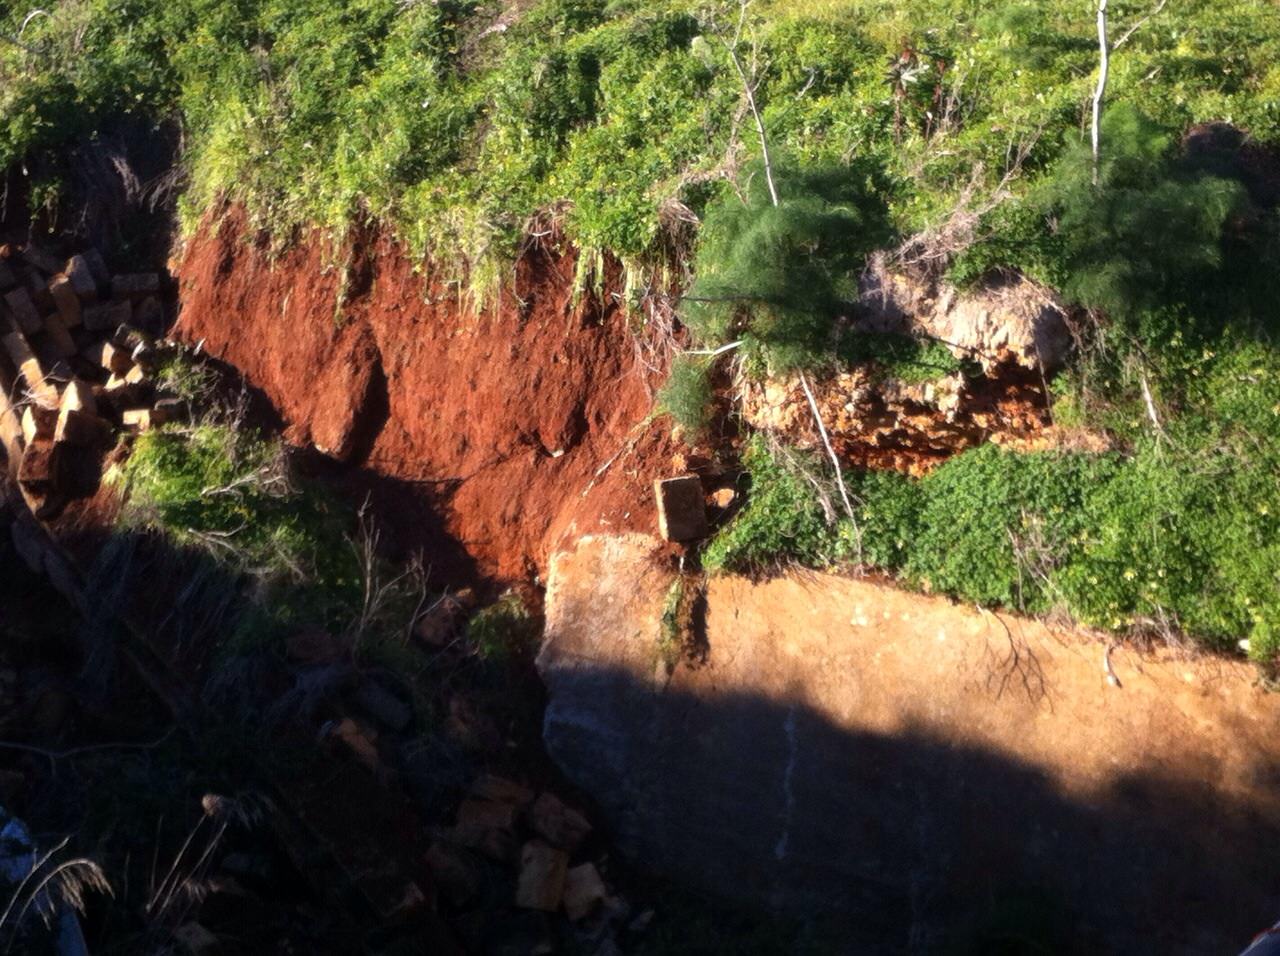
[
  {"x": 755, "y": 113},
  {"x": 1104, "y": 51},
  {"x": 835, "y": 462}
]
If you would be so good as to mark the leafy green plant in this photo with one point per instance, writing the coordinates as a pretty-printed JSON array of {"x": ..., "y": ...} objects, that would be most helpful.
[{"x": 504, "y": 630}]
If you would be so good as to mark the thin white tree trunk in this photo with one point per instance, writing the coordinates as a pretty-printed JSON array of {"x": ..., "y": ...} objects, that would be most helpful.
[
  {"x": 835, "y": 462},
  {"x": 1104, "y": 52},
  {"x": 755, "y": 114}
]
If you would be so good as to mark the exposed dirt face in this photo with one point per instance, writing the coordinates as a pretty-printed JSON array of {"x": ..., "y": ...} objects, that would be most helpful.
[{"x": 479, "y": 434}]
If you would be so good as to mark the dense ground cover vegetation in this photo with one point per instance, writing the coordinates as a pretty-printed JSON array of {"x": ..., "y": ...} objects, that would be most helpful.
[{"x": 453, "y": 123}]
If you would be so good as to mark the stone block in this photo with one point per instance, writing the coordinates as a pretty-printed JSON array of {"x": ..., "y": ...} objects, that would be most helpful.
[
  {"x": 110, "y": 357},
  {"x": 38, "y": 422},
  {"x": 107, "y": 316},
  {"x": 682, "y": 512},
  {"x": 7, "y": 277},
  {"x": 558, "y": 824},
  {"x": 135, "y": 284},
  {"x": 58, "y": 337},
  {"x": 487, "y": 814},
  {"x": 31, "y": 369},
  {"x": 82, "y": 429},
  {"x": 66, "y": 300},
  {"x": 38, "y": 471},
  {"x": 584, "y": 890},
  {"x": 42, "y": 259},
  {"x": 80, "y": 275},
  {"x": 22, "y": 309},
  {"x": 97, "y": 267},
  {"x": 543, "y": 870},
  {"x": 137, "y": 419}
]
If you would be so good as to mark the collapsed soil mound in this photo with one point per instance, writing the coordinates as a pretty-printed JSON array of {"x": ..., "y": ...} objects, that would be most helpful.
[{"x": 481, "y": 435}]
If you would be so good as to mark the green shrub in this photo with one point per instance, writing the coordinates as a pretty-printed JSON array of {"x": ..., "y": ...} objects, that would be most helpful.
[
  {"x": 782, "y": 520},
  {"x": 504, "y": 630},
  {"x": 778, "y": 277},
  {"x": 686, "y": 395}
]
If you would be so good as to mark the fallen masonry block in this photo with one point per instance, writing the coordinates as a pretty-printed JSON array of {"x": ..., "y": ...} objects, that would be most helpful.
[
  {"x": 107, "y": 315},
  {"x": 97, "y": 267},
  {"x": 502, "y": 790},
  {"x": 487, "y": 814},
  {"x": 135, "y": 376},
  {"x": 137, "y": 419},
  {"x": 558, "y": 824},
  {"x": 41, "y": 259},
  {"x": 38, "y": 422},
  {"x": 80, "y": 275},
  {"x": 682, "y": 512},
  {"x": 33, "y": 373},
  {"x": 38, "y": 471},
  {"x": 65, "y": 298},
  {"x": 135, "y": 284},
  {"x": 108, "y": 356},
  {"x": 584, "y": 890},
  {"x": 23, "y": 310},
  {"x": 542, "y": 877},
  {"x": 59, "y": 339},
  {"x": 39, "y": 292},
  {"x": 82, "y": 429},
  {"x": 168, "y": 410},
  {"x": 10, "y": 431},
  {"x": 78, "y": 396}
]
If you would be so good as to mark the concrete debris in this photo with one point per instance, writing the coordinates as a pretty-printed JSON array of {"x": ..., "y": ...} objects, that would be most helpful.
[
  {"x": 584, "y": 889},
  {"x": 558, "y": 824},
  {"x": 682, "y": 512},
  {"x": 543, "y": 870},
  {"x": 22, "y": 311}
]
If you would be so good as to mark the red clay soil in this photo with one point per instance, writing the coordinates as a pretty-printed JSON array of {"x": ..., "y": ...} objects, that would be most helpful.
[{"x": 478, "y": 435}]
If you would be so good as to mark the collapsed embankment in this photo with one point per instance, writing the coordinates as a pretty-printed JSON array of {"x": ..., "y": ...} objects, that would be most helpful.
[{"x": 480, "y": 435}]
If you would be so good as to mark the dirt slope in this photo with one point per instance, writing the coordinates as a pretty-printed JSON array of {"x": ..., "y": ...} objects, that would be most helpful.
[{"x": 478, "y": 434}]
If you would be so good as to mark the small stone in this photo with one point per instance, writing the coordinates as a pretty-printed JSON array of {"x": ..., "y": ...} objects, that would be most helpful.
[
  {"x": 682, "y": 513},
  {"x": 106, "y": 315},
  {"x": 361, "y": 743},
  {"x": 135, "y": 284},
  {"x": 23, "y": 310},
  {"x": 456, "y": 872},
  {"x": 384, "y": 706},
  {"x": 723, "y": 498},
  {"x": 501, "y": 790},
  {"x": 558, "y": 824},
  {"x": 487, "y": 814},
  {"x": 80, "y": 275},
  {"x": 583, "y": 891},
  {"x": 136, "y": 419},
  {"x": 543, "y": 870},
  {"x": 168, "y": 410},
  {"x": 65, "y": 298}
]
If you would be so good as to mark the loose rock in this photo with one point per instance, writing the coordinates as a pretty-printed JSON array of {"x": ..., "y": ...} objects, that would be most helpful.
[
  {"x": 558, "y": 824},
  {"x": 543, "y": 870}
]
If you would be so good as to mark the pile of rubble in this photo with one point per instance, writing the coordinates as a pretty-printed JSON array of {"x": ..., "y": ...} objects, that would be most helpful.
[
  {"x": 512, "y": 844},
  {"x": 79, "y": 350}
]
